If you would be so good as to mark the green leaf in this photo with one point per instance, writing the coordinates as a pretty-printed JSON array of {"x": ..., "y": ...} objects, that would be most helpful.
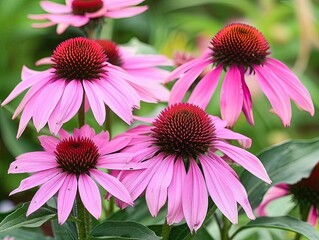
[
  {"x": 122, "y": 230},
  {"x": 285, "y": 163},
  {"x": 67, "y": 231},
  {"x": 23, "y": 234},
  {"x": 18, "y": 218},
  {"x": 285, "y": 223}
]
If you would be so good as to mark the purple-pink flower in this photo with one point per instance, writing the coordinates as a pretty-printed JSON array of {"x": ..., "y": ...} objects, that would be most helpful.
[
  {"x": 240, "y": 50},
  {"x": 73, "y": 164},
  {"x": 78, "y": 13},
  {"x": 80, "y": 75},
  {"x": 305, "y": 192},
  {"x": 187, "y": 156}
]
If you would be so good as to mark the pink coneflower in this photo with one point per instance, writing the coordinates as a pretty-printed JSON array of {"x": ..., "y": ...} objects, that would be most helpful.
[
  {"x": 180, "y": 149},
  {"x": 305, "y": 193},
  {"x": 78, "y": 13},
  {"x": 79, "y": 73},
  {"x": 69, "y": 165},
  {"x": 241, "y": 49}
]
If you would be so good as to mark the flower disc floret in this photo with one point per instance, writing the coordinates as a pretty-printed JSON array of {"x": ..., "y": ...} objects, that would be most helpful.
[
  {"x": 112, "y": 51},
  {"x": 239, "y": 44},
  {"x": 79, "y": 59},
  {"x": 183, "y": 130},
  {"x": 80, "y": 7}
]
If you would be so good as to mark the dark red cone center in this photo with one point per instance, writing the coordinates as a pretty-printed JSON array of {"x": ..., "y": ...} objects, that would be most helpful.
[
  {"x": 80, "y": 7},
  {"x": 112, "y": 51}
]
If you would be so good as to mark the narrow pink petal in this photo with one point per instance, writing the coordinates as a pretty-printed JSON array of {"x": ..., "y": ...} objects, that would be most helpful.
[
  {"x": 247, "y": 103},
  {"x": 115, "y": 145},
  {"x": 53, "y": 124},
  {"x": 156, "y": 191},
  {"x": 38, "y": 16},
  {"x": 313, "y": 216},
  {"x": 218, "y": 188},
  {"x": 84, "y": 131},
  {"x": 179, "y": 71},
  {"x": 231, "y": 96},
  {"x": 275, "y": 93},
  {"x": 90, "y": 195},
  {"x": 42, "y": 76},
  {"x": 119, "y": 161},
  {"x": 174, "y": 208},
  {"x": 27, "y": 73},
  {"x": 48, "y": 143},
  {"x": 101, "y": 139},
  {"x": 228, "y": 134},
  {"x": 149, "y": 74},
  {"x": 250, "y": 162},
  {"x": 61, "y": 27},
  {"x": 183, "y": 84},
  {"x": 36, "y": 180},
  {"x": 123, "y": 3},
  {"x": 272, "y": 194},
  {"x": 291, "y": 84},
  {"x": 203, "y": 92},
  {"x": 99, "y": 13},
  {"x": 95, "y": 100},
  {"x": 45, "y": 192},
  {"x": 144, "y": 119},
  {"x": 195, "y": 197},
  {"x": 66, "y": 197},
  {"x": 112, "y": 185},
  {"x": 52, "y": 7},
  {"x": 71, "y": 19},
  {"x": 26, "y": 116},
  {"x": 44, "y": 61},
  {"x": 53, "y": 91},
  {"x": 33, "y": 162},
  {"x": 125, "y": 12},
  {"x": 64, "y": 134}
]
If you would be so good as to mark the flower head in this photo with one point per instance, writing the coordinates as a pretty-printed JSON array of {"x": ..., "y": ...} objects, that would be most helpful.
[
  {"x": 240, "y": 49},
  {"x": 78, "y": 13},
  {"x": 79, "y": 75},
  {"x": 180, "y": 151},
  {"x": 72, "y": 164},
  {"x": 305, "y": 193}
]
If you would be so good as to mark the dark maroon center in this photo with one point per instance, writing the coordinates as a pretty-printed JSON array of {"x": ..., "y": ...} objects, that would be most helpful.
[
  {"x": 80, "y": 7},
  {"x": 112, "y": 51}
]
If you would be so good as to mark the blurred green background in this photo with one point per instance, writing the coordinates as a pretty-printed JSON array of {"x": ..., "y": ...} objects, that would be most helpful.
[{"x": 290, "y": 26}]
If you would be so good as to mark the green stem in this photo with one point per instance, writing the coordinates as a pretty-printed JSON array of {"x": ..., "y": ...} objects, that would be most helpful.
[
  {"x": 166, "y": 230},
  {"x": 81, "y": 229},
  {"x": 225, "y": 229},
  {"x": 108, "y": 121},
  {"x": 303, "y": 213},
  {"x": 81, "y": 113}
]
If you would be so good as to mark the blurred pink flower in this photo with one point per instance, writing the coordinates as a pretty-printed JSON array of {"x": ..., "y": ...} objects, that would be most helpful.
[
  {"x": 179, "y": 149},
  {"x": 78, "y": 13},
  {"x": 71, "y": 164},
  {"x": 79, "y": 73},
  {"x": 305, "y": 192},
  {"x": 240, "y": 49}
]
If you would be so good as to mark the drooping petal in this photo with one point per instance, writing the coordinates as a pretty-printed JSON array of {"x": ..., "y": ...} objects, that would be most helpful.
[
  {"x": 244, "y": 158},
  {"x": 247, "y": 102},
  {"x": 46, "y": 191},
  {"x": 203, "y": 92},
  {"x": 52, "y": 7},
  {"x": 174, "y": 206},
  {"x": 61, "y": 27},
  {"x": 44, "y": 61},
  {"x": 313, "y": 216},
  {"x": 90, "y": 195},
  {"x": 66, "y": 197},
  {"x": 112, "y": 185},
  {"x": 225, "y": 133},
  {"x": 126, "y": 12},
  {"x": 122, "y": 3},
  {"x": 48, "y": 143},
  {"x": 195, "y": 197},
  {"x": 272, "y": 194},
  {"x": 156, "y": 191},
  {"x": 231, "y": 96}
]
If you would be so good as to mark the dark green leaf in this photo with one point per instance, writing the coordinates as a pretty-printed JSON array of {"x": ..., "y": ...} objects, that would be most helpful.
[
  {"x": 285, "y": 223},
  {"x": 18, "y": 218},
  {"x": 122, "y": 230},
  {"x": 23, "y": 234},
  {"x": 285, "y": 163},
  {"x": 67, "y": 231}
]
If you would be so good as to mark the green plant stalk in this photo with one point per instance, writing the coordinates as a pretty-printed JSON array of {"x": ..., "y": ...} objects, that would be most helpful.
[
  {"x": 80, "y": 224},
  {"x": 166, "y": 230},
  {"x": 303, "y": 213},
  {"x": 225, "y": 229}
]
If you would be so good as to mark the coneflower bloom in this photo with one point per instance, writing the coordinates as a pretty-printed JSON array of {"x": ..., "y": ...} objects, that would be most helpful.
[
  {"x": 71, "y": 165},
  {"x": 305, "y": 193},
  {"x": 79, "y": 73},
  {"x": 78, "y": 13},
  {"x": 240, "y": 49},
  {"x": 180, "y": 149}
]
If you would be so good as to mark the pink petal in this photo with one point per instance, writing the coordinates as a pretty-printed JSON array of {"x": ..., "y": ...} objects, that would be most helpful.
[
  {"x": 313, "y": 216},
  {"x": 125, "y": 12},
  {"x": 42, "y": 25},
  {"x": 45, "y": 192},
  {"x": 64, "y": 134},
  {"x": 291, "y": 84},
  {"x": 101, "y": 139},
  {"x": 27, "y": 73},
  {"x": 181, "y": 70},
  {"x": 66, "y": 197},
  {"x": 272, "y": 194},
  {"x": 122, "y": 3},
  {"x": 247, "y": 103},
  {"x": 119, "y": 161},
  {"x": 112, "y": 185},
  {"x": 44, "y": 61},
  {"x": 205, "y": 89},
  {"x": 231, "y": 96},
  {"x": 26, "y": 116},
  {"x": 244, "y": 158},
  {"x": 61, "y": 27},
  {"x": 90, "y": 195},
  {"x": 84, "y": 131},
  {"x": 73, "y": 20},
  {"x": 174, "y": 208},
  {"x": 275, "y": 93},
  {"x": 36, "y": 180},
  {"x": 115, "y": 145},
  {"x": 97, "y": 105},
  {"x": 183, "y": 84},
  {"x": 48, "y": 143},
  {"x": 52, "y": 7},
  {"x": 228, "y": 134},
  {"x": 156, "y": 191},
  {"x": 195, "y": 198}
]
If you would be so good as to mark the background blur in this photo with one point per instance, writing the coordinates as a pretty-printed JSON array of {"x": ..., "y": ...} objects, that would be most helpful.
[{"x": 186, "y": 26}]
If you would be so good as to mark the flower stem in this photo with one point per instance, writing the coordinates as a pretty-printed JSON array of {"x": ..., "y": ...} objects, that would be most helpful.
[
  {"x": 303, "y": 213},
  {"x": 166, "y": 230},
  {"x": 81, "y": 228},
  {"x": 225, "y": 229},
  {"x": 81, "y": 113}
]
